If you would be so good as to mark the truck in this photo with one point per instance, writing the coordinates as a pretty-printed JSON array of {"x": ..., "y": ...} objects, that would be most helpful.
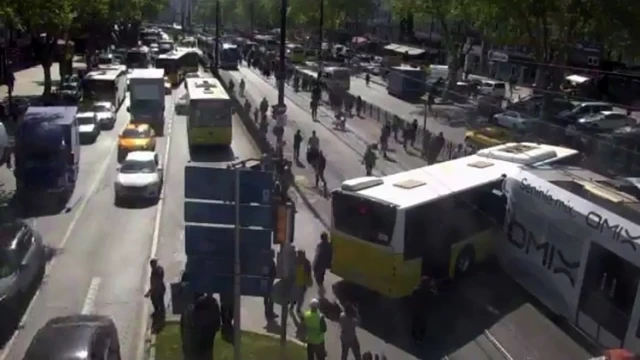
[
  {"x": 146, "y": 87},
  {"x": 406, "y": 82},
  {"x": 47, "y": 156}
]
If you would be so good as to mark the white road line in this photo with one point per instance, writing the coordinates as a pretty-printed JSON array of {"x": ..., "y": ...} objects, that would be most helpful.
[
  {"x": 92, "y": 294},
  {"x": 94, "y": 186},
  {"x": 154, "y": 245}
]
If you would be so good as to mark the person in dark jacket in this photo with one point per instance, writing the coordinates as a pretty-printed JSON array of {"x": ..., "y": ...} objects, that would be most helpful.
[
  {"x": 322, "y": 259},
  {"x": 226, "y": 310},
  {"x": 269, "y": 314},
  {"x": 320, "y": 165},
  {"x": 297, "y": 141},
  {"x": 206, "y": 321},
  {"x": 419, "y": 302},
  {"x": 414, "y": 131},
  {"x": 435, "y": 146}
]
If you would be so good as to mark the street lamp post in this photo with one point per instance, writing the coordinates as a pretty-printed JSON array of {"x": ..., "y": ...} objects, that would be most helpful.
[
  {"x": 216, "y": 53},
  {"x": 283, "y": 44},
  {"x": 320, "y": 37}
]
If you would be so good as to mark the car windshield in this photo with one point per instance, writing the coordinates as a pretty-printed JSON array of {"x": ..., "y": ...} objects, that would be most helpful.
[
  {"x": 137, "y": 166},
  {"x": 134, "y": 134},
  {"x": 85, "y": 120},
  {"x": 100, "y": 108}
]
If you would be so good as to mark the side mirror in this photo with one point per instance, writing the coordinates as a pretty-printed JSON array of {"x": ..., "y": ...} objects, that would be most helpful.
[{"x": 128, "y": 109}]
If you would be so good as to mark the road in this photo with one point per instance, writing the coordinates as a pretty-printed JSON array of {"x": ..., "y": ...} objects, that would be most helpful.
[
  {"x": 101, "y": 252},
  {"x": 482, "y": 311}
]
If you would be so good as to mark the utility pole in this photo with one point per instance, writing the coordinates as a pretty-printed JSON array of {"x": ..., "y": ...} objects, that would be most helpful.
[
  {"x": 283, "y": 44},
  {"x": 216, "y": 56},
  {"x": 320, "y": 37}
]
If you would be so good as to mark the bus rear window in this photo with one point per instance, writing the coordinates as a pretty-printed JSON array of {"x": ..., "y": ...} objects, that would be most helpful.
[{"x": 362, "y": 218}]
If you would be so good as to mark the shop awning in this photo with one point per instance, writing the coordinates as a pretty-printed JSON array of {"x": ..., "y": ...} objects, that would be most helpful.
[{"x": 403, "y": 49}]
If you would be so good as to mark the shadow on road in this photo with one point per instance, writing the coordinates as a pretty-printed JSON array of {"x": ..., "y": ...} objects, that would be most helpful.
[
  {"x": 212, "y": 154},
  {"x": 456, "y": 316}
]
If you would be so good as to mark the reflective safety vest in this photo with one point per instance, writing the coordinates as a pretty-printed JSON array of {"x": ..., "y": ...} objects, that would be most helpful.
[{"x": 312, "y": 324}]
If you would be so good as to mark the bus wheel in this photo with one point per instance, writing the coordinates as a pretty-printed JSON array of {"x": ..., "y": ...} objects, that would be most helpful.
[{"x": 465, "y": 261}]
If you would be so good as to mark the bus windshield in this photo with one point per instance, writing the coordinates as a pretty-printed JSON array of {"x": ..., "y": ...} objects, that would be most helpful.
[
  {"x": 362, "y": 218},
  {"x": 169, "y": 65},
  {"x": 100, "y": 89},
  {"x": 190, "y": 59},
  {"x": 137, "y": 58},
  {"x": 209, "y": 113}
]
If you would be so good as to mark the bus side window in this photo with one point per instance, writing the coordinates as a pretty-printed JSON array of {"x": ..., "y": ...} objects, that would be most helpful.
[{"x": 426, "y": 227}]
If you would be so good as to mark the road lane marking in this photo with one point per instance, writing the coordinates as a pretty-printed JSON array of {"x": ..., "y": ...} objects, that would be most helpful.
[
  {"x": 92, "y": 294},
  {"x": 154, "y": 240},
  {"x": 94, "y": 186}
]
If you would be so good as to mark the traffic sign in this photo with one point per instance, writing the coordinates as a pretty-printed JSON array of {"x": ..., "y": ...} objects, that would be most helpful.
[
  {"x": 225, "y": 213},
  {"x": 204, "y": 183},
  {"x": 211, "y": 237},
  {"x": 214, "y": 241},
  {"x": 221, "y": 284}
]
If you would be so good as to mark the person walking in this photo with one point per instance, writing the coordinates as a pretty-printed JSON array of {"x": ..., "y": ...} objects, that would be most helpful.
[
  {"x": 157, "y": 290},
  {"x": 369, "y": 160},
  {"x": 349, "y": 320},
  {"x": 297, "y": 142},
  {"x": 322, "y": 259},
  {"x": 206, "y": 319},
  {"x": 301, "y": 282},
  {"x": 315, "y": 326},
  {"x": 269, "y": 314}
]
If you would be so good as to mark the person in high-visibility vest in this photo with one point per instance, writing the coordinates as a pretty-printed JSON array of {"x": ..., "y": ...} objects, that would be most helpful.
[{"x": 315, "y": 326}]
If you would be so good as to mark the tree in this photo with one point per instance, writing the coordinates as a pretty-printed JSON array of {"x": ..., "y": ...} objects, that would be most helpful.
[
  {"x": 129, "y": 14},
  {"x": 456, "y": 18}
]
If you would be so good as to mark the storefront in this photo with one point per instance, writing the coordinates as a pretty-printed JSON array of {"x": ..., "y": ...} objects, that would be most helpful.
[{"x": 507, "y": 65}]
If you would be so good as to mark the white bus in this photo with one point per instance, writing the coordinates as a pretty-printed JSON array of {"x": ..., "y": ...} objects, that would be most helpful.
[
  {"x": 229, "y": 56},
  {"x": 107, "y": 84},
  {"x": 572, "y": 239},
  {"x": 437, "y": 221}
]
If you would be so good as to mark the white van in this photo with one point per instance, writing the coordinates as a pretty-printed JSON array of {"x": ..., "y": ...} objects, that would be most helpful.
[{"x": 493, "y": 88}]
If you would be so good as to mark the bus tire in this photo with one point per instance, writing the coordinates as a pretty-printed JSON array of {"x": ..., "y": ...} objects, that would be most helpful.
[{"x": 465, "y": 260}]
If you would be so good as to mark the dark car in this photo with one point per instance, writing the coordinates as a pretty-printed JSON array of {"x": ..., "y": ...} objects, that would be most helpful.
[
  {"x": 22, "y": 264},
  {"x": 78, "y": 337}
]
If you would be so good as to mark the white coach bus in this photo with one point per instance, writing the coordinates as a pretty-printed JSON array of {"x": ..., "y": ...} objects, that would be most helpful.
[{"x": 572, "y": 239}]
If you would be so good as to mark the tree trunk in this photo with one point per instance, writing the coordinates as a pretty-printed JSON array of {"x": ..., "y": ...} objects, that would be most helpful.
[{"x": 46, "y": 68}]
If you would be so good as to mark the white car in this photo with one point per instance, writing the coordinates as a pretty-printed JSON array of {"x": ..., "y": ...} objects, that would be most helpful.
[
  {"x": 603, "y": 121},
  {"x": 513, "y": 120},
  {"x": 106, "y": 114},
  {"x": 88, "y": 127},
  {"x": 493, "y": 88},
  {"x": 139, "y": 177}
]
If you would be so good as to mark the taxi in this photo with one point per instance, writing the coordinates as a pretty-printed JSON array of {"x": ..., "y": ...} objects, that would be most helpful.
[
  {"x": 487, "y": 137},
  {"x": 136, "y": 137}
]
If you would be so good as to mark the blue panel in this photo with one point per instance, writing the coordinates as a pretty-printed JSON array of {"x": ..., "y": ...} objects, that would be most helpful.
[
  {"x": 251, "y": 264},
  {"x": 204, "y": 183},
  {"x": 219, "y": 241},
  {"x": 249, "y": 285},
  {"x": 225, "y": 214}
]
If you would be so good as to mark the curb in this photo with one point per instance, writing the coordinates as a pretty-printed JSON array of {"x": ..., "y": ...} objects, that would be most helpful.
[
  {"x": 265, "y": 146},
  {"x": 152, "y": 338}
]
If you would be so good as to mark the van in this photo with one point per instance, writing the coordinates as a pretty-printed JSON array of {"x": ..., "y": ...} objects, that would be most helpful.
[{"x": 493, "y": 88}]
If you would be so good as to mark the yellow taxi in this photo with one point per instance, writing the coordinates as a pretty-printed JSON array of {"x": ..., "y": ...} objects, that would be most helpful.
[
  {"x": 136, "y": 137},
  {"x": 488, "y": 136}
]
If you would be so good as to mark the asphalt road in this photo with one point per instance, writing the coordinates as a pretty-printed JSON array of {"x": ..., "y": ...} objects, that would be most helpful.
[
  {"x": 101, "y": 252},
  {"x": 484, "y": 310}
]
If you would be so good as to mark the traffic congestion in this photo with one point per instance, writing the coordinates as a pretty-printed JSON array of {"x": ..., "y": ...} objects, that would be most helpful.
[{"x": 411, "y": 240}]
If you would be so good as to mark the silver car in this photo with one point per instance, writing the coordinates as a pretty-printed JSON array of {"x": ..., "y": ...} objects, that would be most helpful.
[
  {"x": 22, "y": 264},
  {"x": 106, "y": 114}
]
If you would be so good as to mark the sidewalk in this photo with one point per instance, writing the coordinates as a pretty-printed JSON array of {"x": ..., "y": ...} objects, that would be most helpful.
[{"x": 370, "y": 336}]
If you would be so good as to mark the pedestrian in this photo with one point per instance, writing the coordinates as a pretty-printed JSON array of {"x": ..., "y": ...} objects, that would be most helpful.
[
  {"x": 302, "y": 281},
  {"x": 369, "y": 160},
  {"x": 187, "y": 331},
  {"x": 315, "y": 326},
  {"x": 320, "y": 166},
  {"x": 435, "y": 146},
  {"x": 358, "y": 105},
  {"x": 322, "y": 259},
  {"x": 156, "y": 290},
  {"x": 226, "y": 310},
  {"x": 414, "y": 131},
  {"x": 349, "y": 321},
  {"x": 395, "y": 127},
  {"x": 406, "y": 136},
  {"x": 297, "y": 142},
  {"x": 426, "y": 137},
  {"x": 269, "y": 314},
  {"x": 314, "y": 109},
  {"x": 206, "y": 320},
  {"x": 420, "y": 298}
]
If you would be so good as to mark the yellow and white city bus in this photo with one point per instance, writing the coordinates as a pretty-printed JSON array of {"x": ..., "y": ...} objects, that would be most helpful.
[
  {"x": 209, "y": 117},
  {"x": 437, "y": 221}
]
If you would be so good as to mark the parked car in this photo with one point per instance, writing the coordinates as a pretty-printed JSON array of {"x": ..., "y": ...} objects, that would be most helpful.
[
  {"x": 581, "y": 110},
  {"x": 604, "y": 121},
  {"x": 23, "y": 262},
  {"x": 81, "y": 337},
  {"x": 513, "y": 120}
]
